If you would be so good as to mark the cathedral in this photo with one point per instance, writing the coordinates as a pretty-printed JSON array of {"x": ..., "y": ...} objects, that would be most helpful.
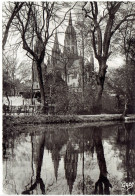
[{"x": 68, "y": 63}]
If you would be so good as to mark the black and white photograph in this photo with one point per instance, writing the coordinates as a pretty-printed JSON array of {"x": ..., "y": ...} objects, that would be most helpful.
[{"x": 68, "y": 97}]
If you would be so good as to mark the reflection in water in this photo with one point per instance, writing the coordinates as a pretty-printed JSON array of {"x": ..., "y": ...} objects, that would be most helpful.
[
  {"x": 103, "y": 180},
  {"x": 126, "y": 143},
  {"x": 79, "y": 158},
  {"x": 38, "y": 143},
  {"x": 55, "y": 140},
  {"x": 70, "y": 165}
]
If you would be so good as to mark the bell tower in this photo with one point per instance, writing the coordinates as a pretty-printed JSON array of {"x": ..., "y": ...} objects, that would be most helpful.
[
  {"x": 70, "y": 41},
  {"x": 55, "y": 53}
]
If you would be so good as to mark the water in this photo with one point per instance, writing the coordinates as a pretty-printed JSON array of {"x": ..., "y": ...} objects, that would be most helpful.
[{"x": 69, "y": 159}]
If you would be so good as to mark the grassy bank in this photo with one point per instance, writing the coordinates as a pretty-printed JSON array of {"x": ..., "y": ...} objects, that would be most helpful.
[{"x": 56, "y": 119}]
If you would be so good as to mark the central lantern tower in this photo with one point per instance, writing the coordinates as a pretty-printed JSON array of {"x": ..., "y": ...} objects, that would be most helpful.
[{"x": 70, "y": 42}]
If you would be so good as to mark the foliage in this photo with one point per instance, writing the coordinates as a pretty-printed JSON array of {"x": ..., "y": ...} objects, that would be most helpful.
[
  {"x": 131, "y": 43},
  {"x": 105, "y": 18},
  {"x": 57, "y": 92},
  {"x": 14, "y": 74},
  {"x": 24, "y": 71},
  {"x": 75, "y": 103},
  {"x": 122, "y": 82},
  {"x": 103, "y": 23},
  {"x": 8, "y": 74},
  {"x": 35, "y": 22},
  {"x": 79, "y": 106}
]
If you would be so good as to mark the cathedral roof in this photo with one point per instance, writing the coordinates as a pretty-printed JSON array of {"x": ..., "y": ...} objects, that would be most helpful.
[{"x": 70, "y": 29}]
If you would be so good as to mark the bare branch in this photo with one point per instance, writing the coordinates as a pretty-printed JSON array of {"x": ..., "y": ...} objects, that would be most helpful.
[
  {"x": 121, "y": 22},
  {"x": 62, "y": 20},
  {"x": 17, "y": 7}
]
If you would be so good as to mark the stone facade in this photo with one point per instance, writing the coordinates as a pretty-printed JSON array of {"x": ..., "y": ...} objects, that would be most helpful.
[{"x": 68, "y": 62}]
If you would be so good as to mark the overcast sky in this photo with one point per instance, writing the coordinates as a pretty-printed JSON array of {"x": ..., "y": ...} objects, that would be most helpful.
[{"x": 113, "y": 62}]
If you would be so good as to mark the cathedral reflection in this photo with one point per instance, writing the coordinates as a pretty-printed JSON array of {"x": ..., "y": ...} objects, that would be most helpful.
[
  {"x": 75, "y": 148},
  {"x": 55, "y": 140},
  {"x": 70, "y": 165}
]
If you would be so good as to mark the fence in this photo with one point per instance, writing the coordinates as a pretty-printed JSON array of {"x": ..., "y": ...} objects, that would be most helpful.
[{"x": 25, "y": 109}]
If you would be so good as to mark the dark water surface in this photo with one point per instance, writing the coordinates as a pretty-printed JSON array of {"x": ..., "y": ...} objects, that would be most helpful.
[{"x": 74, "y": 159}]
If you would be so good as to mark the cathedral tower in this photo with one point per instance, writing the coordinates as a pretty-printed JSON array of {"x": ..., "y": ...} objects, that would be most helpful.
[
  {"x": 70, "y": 42},
  {"x": 56, "y": 53}
]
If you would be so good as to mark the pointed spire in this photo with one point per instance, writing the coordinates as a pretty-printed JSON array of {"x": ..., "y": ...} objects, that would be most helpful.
[
  {"x": 56, "y": 37},
  {"x": 56, "y": 43},
  {"x": 56, "y": 160},
  {"x": 70, "y": 19},
  {"x": 70, "y": 165}
]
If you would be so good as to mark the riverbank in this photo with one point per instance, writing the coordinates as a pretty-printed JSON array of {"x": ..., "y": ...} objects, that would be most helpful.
[{"x": 56, "y": 119}]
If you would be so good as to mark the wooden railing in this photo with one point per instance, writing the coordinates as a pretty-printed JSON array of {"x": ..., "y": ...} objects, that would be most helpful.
[
  {"x": 25, "y": 109},
  {"x": 21, "y": 109}
]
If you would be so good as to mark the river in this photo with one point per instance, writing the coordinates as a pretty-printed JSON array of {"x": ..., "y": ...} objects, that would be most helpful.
[{"x": 69, "y": 159}]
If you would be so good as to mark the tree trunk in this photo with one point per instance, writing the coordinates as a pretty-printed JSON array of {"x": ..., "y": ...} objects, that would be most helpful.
[
  {"x": 100, "y": 85},
  {"x": 32, "y": 85},
  {"x": 41, "y": 85},
  {"x": 100, "y": 151},
  {"x": 66, "y": 73},
  {"x": 38, "y": 143},
  {"x": 14, "y": 92},
  {"x": 82, "y": 69}
]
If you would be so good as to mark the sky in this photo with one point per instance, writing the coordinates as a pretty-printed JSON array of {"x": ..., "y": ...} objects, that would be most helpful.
[
  {"x": 113, "y": 62},
  {"x": 21, "y": 54}
]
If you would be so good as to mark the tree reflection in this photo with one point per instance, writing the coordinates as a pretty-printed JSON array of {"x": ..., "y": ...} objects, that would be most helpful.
[
  {"x": 38, "y": 143},
  {"x": 102, "y": 185},
  {"x": 70, "y": 144},
  {"x": 126, "y": 144}
]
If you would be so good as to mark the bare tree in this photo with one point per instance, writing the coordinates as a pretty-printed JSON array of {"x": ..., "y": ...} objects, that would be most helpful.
[
  {"x": 34, "y": 21},
  {"x": 16, "y": 8},
  {"x": 9, "y": 70},
  {"x": 122, "y": 80},
  {"x": 106, "y": 18}
]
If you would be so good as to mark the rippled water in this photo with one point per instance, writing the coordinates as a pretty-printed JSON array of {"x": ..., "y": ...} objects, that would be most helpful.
[{"x": 69, "y": 159}]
